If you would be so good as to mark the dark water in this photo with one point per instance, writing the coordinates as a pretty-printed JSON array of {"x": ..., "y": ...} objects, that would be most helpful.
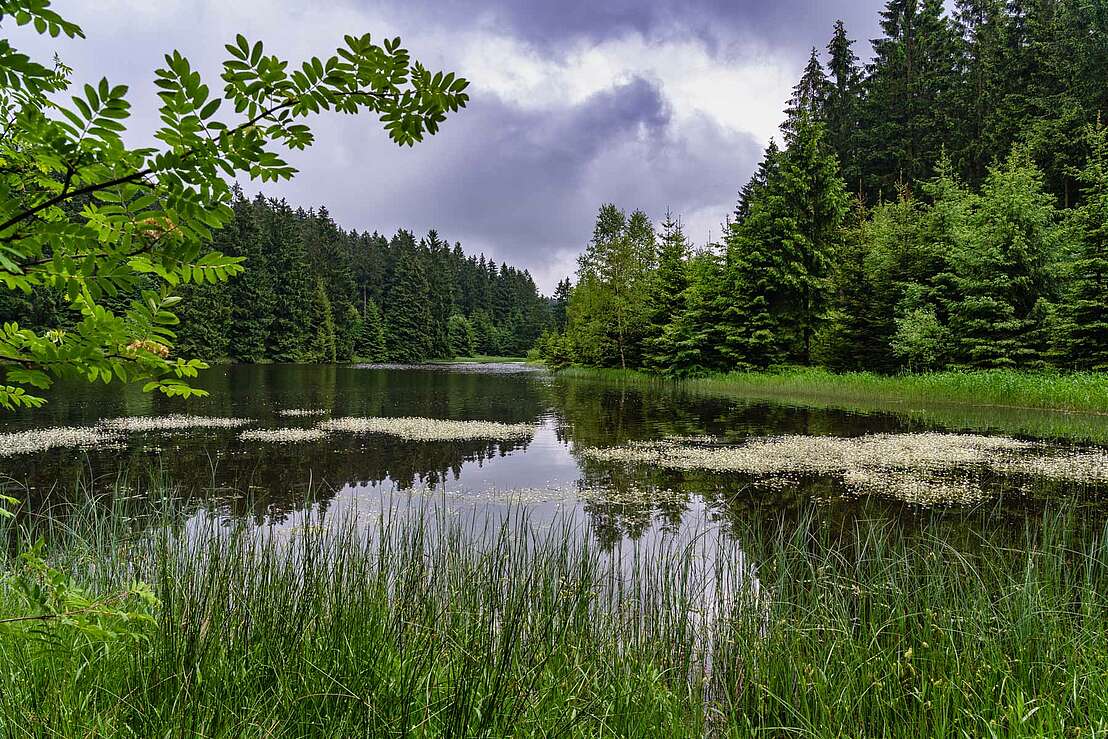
[{"x": 271, "y": 482}]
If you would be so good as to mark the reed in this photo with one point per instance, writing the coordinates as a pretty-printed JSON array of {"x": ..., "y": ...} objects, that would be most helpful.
[{"x": 414, "y": 621}]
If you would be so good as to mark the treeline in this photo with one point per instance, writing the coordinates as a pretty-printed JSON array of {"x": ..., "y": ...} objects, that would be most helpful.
[
  {"x": 313, "y": 292},
  {"x": 945, "y": 207}
]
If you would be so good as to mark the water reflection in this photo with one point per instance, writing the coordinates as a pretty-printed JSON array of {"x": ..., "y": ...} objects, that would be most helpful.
[{"x": 270, "y": 482}]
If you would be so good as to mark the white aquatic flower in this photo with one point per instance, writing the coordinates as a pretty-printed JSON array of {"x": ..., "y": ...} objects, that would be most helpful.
[
  {"x": 174, "y": 422},
  {"x": 431, "y": 429},
  {"x": 40, "y": 440},
  {"x": 302, "y": 412},
  {"x": 923, "y": 469},
  {"x": 283, "y": 436}
]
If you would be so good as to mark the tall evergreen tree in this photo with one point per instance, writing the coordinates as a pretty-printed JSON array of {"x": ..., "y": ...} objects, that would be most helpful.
[
  {"x": 252, "y": 293},
  {"x": 408, "y": 311},
  {"x": 322, "y": 347},
  {"x": 1088, "y": 325},
  {"x": 291, "y": 329},
  {"x": 841, "y": 109},
  {"x": 809, "y": 99},
  {"x": 666, "y": 297},
  {"x": 1005, "y": 269},
  {"x": 370, "y": 345}
]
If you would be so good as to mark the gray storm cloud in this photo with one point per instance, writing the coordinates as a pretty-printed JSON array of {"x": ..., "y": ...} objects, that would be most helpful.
[{"x": 515, "y": 176}]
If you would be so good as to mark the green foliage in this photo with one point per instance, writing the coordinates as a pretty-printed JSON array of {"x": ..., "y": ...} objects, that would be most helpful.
[
  {"x": 460, "y": 336},
  {"x": 370, "y": 345},
  {"x": 666, "y": 297},
  {"x": 920, "y": 341},
  {"x": 322, "y": 347},
  {"x": 610, "y": 303},
  {"x": 1005, "y": 267},
  {"x": 88, "y": 218},
  {"x": 408, "y": 311},
  {"x": 1088, "y": 303}
]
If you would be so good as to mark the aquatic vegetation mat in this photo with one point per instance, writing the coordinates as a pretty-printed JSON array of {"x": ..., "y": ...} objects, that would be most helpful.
[
  {"x": 174, "y": 422},
  {"x": 40, "y": 440},
  {"x": 283, "y": 436},
  {"x": 302, "y": 412},
  {"x": 925, "y": 469},
  {"x": 109, "y": 431},
  {"x": 431, "y": 429}
]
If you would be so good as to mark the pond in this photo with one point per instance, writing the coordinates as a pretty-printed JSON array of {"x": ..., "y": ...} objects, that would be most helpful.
[{"x": 628, "y": 458}]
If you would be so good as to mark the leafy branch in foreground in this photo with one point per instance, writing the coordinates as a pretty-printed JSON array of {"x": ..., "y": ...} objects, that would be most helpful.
[{"x": 116, "y": 230}]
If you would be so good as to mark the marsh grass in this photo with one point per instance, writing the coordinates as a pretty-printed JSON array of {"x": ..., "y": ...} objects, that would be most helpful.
[{"x": 418, "y": 623}]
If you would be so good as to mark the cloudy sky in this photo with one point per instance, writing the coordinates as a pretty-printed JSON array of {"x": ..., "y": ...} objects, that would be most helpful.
[{"x": 650, "y": 104}]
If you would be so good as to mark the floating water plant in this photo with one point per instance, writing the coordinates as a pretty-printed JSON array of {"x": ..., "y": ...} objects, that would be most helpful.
[
  {"x": 39, "y": 440},
  {"x": 431, "y": 429},
  {"x": 925, "y": 469},
  {"x": 283, "y": 436},
  {"x": 302, "y": 412},
  {"x": 174, "y": 422}
]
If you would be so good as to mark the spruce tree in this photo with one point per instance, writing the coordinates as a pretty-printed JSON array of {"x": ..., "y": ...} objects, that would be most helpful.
[
  {"x": 908, "y": 94},
  {"x": 291, "y": 330},
  {"x": 252, "y": 293},
  {"x": 370, "y": 345},
  {"x": 461, "y": 336},
  {"x": 408, "y": 311},
  {"x": 322, "y": 347},
  {"x": 666, "y": 295},
  {"x": 809, "y": 99},
  {"x": 1088, "y": 324},
  {"x": 841, "y": 109},
  {"x": 813, "y": 193},
  {"x": 1005, "y": 269},
  {"x": 696, "y": 334}
]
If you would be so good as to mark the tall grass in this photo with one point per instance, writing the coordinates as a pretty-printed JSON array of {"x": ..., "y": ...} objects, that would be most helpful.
[{"x": 418, "y": 623}]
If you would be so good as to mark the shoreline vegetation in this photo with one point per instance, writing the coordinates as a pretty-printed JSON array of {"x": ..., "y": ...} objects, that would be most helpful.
[
  {"x": 1069, "y": 406},
  {"x": 1077, "y": 392},
  {"x": 415, "y": 622}
]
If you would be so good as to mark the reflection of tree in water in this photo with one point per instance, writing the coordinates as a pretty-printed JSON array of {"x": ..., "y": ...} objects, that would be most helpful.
[
  {"x": 266, "y": 480},
  {"x": 640, "y": 497}
]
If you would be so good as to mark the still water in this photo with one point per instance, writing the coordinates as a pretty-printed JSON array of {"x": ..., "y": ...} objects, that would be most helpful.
[{"x": 551, "y": 468}]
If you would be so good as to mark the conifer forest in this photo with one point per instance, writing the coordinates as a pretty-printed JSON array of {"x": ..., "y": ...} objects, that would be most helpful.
[
  {"x": 740, "y": 388},
  {"x": 944, "y": 205}
]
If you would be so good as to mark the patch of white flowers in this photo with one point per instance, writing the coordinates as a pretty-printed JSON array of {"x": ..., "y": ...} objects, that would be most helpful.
[
  {"x": 926, "y": 469},
  {"x": 431, "y": 429},
  {"x": 283, "y": 436},
  {"x": 302, "y": 412}
]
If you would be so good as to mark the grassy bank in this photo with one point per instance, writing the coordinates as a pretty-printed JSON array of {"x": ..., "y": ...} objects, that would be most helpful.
[
  {"x": 1039, "y": 404},
  {"x": 425, "y": 625}
]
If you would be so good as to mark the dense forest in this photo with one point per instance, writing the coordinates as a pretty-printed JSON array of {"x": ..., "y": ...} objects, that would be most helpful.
[
  {"x": 313, "y": 292},
  {"x": 944, "y": 205}
]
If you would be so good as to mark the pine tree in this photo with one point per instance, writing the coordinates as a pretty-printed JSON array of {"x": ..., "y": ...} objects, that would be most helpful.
[
  {"x": 322, "y": 347},
  {"x": 858, "y": 333},
  {"x": 696, "y": 334},
  {"x": 441, "y": 281},
  {"x": 370, "y": 345},
  {"x": 408, "y": 311},
  {"x": 558, "y": 305},
  {"x": 813, "y": 192},
  {"x": 205, "y": 315},
  {"x": 1088, "y": 325}
]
